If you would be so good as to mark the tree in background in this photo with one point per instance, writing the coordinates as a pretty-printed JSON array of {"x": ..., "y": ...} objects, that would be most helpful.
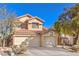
[
  {"x": 6, "y": 23},
  {"x": 69, "y": 21}
]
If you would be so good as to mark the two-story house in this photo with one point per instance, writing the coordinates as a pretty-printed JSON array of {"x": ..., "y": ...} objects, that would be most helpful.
[{"x": 30, "y": 29}]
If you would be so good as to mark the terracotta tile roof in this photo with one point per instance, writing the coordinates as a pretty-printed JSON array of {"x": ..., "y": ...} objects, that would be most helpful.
[
  {"x": 39, "y": 19},
  {"x": 23, "y": 32},
  {"x": 38, "y": 32},
  {"x": 25, "y": 16},
  {"x": 44, "y": 28},
  {"x": 31, "y": 17}
]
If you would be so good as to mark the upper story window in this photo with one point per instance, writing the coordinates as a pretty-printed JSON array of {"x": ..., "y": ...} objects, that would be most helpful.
[{"x": 35, "y": 25}]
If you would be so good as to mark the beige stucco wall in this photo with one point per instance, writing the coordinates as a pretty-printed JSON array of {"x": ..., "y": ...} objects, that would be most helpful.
[
  {"x": 29, "y": 26},
  {"x": 35, "y": 20},
  {"x": 22, "y": 19}
]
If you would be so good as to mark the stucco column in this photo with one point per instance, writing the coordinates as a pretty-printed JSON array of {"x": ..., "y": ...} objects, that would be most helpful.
[
  {"x": 56, "y": 39},
  {"x": 41, "y": 40}
]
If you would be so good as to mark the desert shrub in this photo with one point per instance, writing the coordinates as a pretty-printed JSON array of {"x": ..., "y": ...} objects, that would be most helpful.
[
  {"x": 19, "y": 49},
  {"x": 74, "y": 48},
  {"x": 23, "y": 47},
  {"x": 16, "y": 49}
]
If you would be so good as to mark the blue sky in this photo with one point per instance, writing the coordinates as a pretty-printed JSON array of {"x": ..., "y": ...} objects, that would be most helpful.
[{"x": 49, "y": 12}]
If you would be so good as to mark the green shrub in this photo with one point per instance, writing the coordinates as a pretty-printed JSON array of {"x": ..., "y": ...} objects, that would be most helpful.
[{"x": 19, "y": 49}]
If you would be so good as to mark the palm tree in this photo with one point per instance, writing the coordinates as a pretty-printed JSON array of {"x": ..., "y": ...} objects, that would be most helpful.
[
  {"x": 58, "y": 27},
  {"x": 68, "y": 23},
  {"x": 75, "y": 28}
]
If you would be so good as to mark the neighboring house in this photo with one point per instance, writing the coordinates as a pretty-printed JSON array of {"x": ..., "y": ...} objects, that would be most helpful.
[{"x": 30, "y": 29}]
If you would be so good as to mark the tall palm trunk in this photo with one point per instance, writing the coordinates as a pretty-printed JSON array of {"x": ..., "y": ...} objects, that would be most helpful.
[{"x": 59, "y": 39}]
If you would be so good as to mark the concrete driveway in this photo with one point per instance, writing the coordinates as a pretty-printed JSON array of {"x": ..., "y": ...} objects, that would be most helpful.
[
  {"x": 41, "y": 51},
  {"x": 50, "y": 52}
]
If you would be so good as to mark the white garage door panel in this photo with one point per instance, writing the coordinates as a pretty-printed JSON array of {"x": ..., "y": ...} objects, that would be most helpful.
[
  {"x": 19, "y": 40},
  {"x": 35, "y": 42}
]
